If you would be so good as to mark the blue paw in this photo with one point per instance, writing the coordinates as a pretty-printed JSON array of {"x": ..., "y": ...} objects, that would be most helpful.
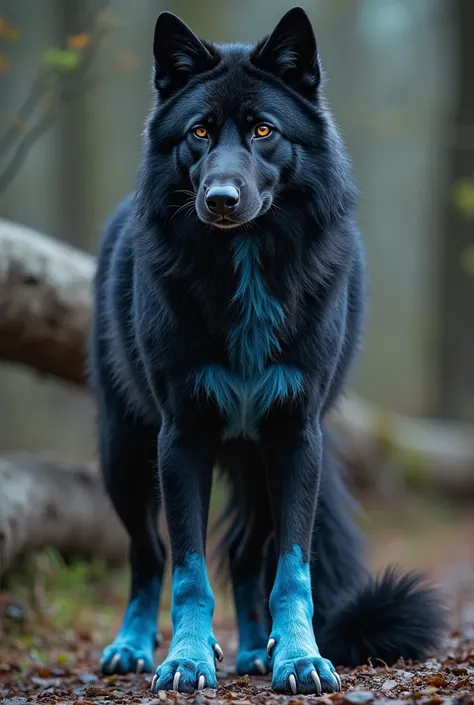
[
  {"x": 132, "y": 650},
  {"x": 252, "y": 656},
  {"x": 297, "y": 663},
  {"x": 184, "y": 675},
  {"x": 190, "y": 664},
  {"x": 253, "y": 663},
  {"x": 123, "y": 657},
  {"x": 309, "y": 674}
]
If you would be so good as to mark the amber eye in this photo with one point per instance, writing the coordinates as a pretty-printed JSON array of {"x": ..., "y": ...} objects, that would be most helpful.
[
  {"x": 200, "y": 132},
  {"x": 262, "y": 130}
]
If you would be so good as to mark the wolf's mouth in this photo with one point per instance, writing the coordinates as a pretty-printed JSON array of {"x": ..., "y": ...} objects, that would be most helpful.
[{"x": 227, "y": 223}]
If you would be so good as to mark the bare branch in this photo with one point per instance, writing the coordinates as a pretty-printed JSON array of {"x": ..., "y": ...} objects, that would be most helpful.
[
  {"x": 23, "y": 147},
  {"x": 25, "y": 112},
  {"x": 50, "y": 87}
]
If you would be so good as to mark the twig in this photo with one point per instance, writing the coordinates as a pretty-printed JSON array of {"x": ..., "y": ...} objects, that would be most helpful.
[
  {"x": 66, "y": 88},
  {"x": 25, "y": 112}
]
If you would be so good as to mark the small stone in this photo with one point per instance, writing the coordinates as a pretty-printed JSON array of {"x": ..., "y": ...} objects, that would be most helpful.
[
  {"x": 14, "y": 612},
  {"x": 358, "y": 697},
  {"x": 389, "y": 684},
  {"x": 406, "y": 675}
]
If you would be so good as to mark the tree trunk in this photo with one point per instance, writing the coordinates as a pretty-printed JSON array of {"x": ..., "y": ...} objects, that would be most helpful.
[
  {"x": 45, "y": 502},
  {"x": 456, "y": 344}
]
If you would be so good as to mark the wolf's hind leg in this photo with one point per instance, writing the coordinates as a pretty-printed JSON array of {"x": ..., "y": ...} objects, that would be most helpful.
[{"x": 128, "y": 462}]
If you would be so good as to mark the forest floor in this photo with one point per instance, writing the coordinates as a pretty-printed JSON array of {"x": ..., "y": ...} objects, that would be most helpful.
[{"x": 55, "y": 618}]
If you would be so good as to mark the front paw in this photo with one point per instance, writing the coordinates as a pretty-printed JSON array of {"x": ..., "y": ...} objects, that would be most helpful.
[
  {"x": 307, "y": 675},
  {"x": 184, "y": 675},
  {"x": 122, "y": 657},
  {"x": 253, "y": 663}
]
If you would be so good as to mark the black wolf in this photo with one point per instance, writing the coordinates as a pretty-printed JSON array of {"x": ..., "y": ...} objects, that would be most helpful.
[{"x": 229, "y": 301}]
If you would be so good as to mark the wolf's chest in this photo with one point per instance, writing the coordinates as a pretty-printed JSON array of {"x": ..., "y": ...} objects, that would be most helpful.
[
  {"x": 246, "y": 388},
  {"x": 244, "y": 401}
]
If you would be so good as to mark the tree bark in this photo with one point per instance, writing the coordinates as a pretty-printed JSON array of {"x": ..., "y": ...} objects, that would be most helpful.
[
  {"x": 46, "y": 502},
  {"x": 45, "y": 298}
]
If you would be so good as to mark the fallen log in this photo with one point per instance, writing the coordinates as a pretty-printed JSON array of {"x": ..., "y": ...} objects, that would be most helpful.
[
  {"x": 389, "y": 452},
  {"x": 45, "y": 298},
  {"x": 46, "y": 502}
]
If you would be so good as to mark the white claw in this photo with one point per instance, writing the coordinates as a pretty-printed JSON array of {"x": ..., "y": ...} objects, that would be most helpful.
[
  {"x": 201, "y": 683},
  {"x": 259, "y": 664},
  {"x": 176, "y": 680},
  {"x": 153, "y": 683},
  {"x": 113, "y": 663},
  {"x": 140, "y": 665},
  {"x": 317, "y": 682},
  {"x": 338, "y": 681},
  {"x": 218, "y": 652},
  {"x": 292, "y": 682},
  {"x": 270, "y": 646}
]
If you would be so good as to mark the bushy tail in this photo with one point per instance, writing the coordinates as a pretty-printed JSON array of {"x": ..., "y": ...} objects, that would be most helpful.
[
  {"x": 395, "y": 615},
  {"x": 357, "y": 616}
]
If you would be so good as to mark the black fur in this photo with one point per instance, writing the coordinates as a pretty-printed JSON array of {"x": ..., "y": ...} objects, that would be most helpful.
[{"x": 226, "y": 339}]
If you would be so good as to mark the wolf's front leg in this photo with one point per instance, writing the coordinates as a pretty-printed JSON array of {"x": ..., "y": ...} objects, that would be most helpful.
[
  {"x": 185, "y": 466},
  {"x": 293, "y": 463}
]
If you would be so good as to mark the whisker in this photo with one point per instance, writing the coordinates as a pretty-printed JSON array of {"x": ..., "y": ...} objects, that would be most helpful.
[
  {"x": 186, "y": 192},
  {"x": 189, "y": 205},
  {"x": 276, "y": 207}
]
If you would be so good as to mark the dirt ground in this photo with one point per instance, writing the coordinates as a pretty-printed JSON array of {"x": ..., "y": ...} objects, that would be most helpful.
[{"x": 51, "y": 633}]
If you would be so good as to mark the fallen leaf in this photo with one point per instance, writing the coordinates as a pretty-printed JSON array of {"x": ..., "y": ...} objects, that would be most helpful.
[
  {"x": 93, "y": 691},
  {"x": 438, "y": 681}
]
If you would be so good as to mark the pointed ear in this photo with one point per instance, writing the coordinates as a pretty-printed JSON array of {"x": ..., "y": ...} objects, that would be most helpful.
[
  {"x": 290, "y": 52},
  {"x": 179, "y": 54}
]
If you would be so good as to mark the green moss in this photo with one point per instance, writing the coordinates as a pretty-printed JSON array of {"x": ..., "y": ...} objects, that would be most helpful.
[{"x": 65, "y": 596}]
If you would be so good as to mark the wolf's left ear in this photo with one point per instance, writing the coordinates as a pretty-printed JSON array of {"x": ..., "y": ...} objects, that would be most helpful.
[
  {"x": 290, "y": 52},
  {"x": 179, "y": 54}
]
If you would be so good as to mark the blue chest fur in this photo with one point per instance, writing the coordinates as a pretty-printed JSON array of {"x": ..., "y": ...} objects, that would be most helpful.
[
  {"x": 246, "y": 390},
  {"x": 255, "y": 336}
]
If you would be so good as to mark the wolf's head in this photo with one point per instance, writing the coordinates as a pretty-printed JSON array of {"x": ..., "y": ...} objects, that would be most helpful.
[{"x": 238, "y": 131}]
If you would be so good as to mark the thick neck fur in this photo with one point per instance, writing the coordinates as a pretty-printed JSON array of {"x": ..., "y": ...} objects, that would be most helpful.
[{"x": 250, "y": 287}]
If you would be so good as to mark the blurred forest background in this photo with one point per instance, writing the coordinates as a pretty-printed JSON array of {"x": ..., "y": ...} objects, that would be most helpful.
[
  {"x": 400, "y": 77},
  {"x": 399, "y": 81}
]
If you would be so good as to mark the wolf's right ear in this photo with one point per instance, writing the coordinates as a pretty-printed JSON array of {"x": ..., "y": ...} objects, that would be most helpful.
[{"x": 179, "y": 54}]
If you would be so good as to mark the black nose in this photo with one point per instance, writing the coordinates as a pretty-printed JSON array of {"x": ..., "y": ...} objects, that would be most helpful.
[{"x": 222, "y": 200}]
